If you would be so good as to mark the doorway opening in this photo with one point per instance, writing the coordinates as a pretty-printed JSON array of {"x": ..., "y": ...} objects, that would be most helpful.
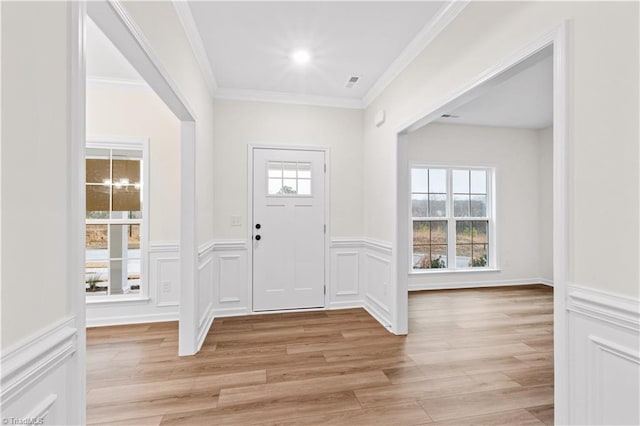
[{"x": 452, "y": 245}]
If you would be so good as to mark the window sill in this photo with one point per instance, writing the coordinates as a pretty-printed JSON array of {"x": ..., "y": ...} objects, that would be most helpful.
[
  {"x": 108, "y": 300},
  {"x": 453, "y": 271}
]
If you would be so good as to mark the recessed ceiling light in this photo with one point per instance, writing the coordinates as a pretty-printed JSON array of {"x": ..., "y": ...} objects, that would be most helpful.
[{"x": 301, "y": 56}]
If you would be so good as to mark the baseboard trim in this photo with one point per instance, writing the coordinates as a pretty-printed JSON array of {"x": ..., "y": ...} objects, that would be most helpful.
[
  {"x": 205, "y": 327},
  {"x": 477, "y": 284},
  {"x": 26, "y": 362},
  {"x": 619, "y": 310},
  {"x": 546, "y": 281},
  {"x": 378, "y": 316},
  {"x": 351, "y": 304},
  {"x": 132, "y": 319},
  {"x": 231, "y": 312}
]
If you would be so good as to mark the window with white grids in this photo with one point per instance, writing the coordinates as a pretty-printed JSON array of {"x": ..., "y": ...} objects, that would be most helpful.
[{"x": 451, "y": 218}]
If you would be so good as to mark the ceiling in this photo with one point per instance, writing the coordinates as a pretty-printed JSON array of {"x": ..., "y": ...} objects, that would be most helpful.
[
  {"x": 523, "y": 101},
  {"x": 247, "y": 45},
  {"x": 104, "y": 60}
]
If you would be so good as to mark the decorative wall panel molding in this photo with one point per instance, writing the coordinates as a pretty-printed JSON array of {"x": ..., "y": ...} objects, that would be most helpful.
[
  {"x": 604, "y": 349},
  {"x": 36, "y": 374}
]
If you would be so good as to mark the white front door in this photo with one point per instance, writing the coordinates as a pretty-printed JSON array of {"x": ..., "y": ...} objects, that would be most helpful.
[{"x": 288, "y": 229}]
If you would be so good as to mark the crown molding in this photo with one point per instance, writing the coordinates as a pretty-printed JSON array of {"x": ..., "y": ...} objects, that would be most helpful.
[
  {"x": 115, "y": 83},
  {"x": 197, "y": 45},
  {"x": 445, "y": 15},
  {"x": 287, "y": 98},
  {"x": 439, "y": 22}
]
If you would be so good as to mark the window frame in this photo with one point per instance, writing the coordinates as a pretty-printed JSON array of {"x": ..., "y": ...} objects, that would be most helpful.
[
  {"x": 134, "y": 144},
  {"x": 451, "y": 220}
]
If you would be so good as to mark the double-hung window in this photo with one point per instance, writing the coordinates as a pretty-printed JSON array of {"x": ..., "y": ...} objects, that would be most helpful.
[
  {"x": 115, "y": 218},
  {"x": 451, "y": 211}
]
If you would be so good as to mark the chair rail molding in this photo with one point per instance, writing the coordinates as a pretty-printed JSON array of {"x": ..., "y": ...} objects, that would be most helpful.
[
  {"x": 604, "y": 348},
  {"x": 615, "y": 309},
  {"x": 35, "y": 366}
]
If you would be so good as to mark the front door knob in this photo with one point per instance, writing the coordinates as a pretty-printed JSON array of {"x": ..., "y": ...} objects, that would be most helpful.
[{"x": 258, "y": 237}]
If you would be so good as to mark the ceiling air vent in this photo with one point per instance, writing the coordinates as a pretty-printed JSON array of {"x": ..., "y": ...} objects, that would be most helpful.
[{"x": 352, "y": 81}]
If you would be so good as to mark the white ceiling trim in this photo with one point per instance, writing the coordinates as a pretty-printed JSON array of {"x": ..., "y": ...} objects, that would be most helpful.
[
  {"x": 287, "y": 98},
  {"x": 197, "y": 46},
  {"x": 111, "y": 83},
  {"x": 430, "y": 31}
]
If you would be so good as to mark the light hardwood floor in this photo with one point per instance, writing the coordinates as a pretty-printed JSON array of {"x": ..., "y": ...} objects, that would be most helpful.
[{"x": 478, "y": 356}]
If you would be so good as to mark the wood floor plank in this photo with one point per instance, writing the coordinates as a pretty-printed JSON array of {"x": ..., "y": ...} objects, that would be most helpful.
[
  {"x": 466, "y": 354},
  {"x": 474, "y": 356},
  {"x": 518, "y": 417},
  {"x": 267, "y": 411},
  {"x": 401, "y": 414},
  {"x": 544, "y": 413},
  {"x": 488, "y": 402},
  {"x": 426, "y": 389},
  {"x": 141, "y": 421},
  {"x": 271, "y": 391}
]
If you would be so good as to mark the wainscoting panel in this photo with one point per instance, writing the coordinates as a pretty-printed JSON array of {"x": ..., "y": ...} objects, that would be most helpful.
[
  {"x": 230, "y": 285},
  {"x": 377, "y": 280},
  {"x": 37, "y": 375},
  {"x": 604, "y": 348},
  {"x": 162, "y": 266},
  {"x": 344, "y": 286},
  {"x": 204, "y": 290},
  {"x": 164, "y": 273}
]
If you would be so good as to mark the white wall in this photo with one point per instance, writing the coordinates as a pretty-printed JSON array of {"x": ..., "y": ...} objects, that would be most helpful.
[
  {"x": 515, "y": 154},
  {"x": 545, "y": 202},
  {"x": 160, "y": 25},
  {"x": 240, "y": 123},
  {"x": 121, "y": 112},
  {"x": 164, "y": 33},
  {"x": 603, "y": 106},
  {"x": 36, "y": 311},
  {"x": 34, "y": 167}
]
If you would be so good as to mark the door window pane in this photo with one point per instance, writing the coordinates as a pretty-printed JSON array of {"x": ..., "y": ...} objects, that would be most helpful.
[
  {"x": 304, "y": 186},
  {"x": 274, "y": 170},
  {"x": 289, "y": 170},
  {"x": 288, "y": 178}
]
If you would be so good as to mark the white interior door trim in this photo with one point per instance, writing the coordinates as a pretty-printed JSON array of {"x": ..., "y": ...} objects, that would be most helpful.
[
  {"x": 115, "y": 21},
  {"x": 559, "y": 39},
  {"x": 327, "y": 214}
]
